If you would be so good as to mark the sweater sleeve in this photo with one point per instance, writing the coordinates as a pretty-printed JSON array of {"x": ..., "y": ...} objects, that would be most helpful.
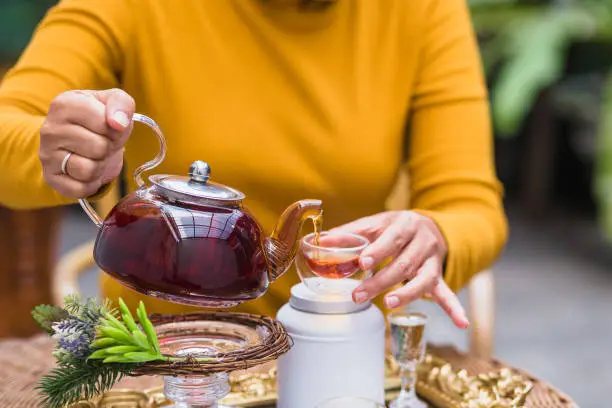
[
  {"x": 450, "y": 158},
  {"x": 78, "y": 45}
]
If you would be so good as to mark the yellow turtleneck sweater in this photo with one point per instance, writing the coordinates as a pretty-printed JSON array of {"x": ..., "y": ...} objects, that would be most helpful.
[{"x": 283, "y": 104}]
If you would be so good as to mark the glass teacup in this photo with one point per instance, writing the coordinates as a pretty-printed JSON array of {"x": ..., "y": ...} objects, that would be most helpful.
[{"x": 329, "y": 264}]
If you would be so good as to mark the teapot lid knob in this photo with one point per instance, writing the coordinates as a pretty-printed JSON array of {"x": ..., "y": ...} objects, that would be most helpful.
[
  {"x": 197, "y": 185},
  {"x": 199, "y": 171}
]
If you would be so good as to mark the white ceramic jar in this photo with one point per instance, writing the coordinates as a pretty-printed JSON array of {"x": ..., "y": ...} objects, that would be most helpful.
[{"x": 338, "y": 350}]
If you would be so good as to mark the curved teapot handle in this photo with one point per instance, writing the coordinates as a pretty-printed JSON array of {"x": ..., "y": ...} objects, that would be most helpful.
[{"x": 137, "y": 117}]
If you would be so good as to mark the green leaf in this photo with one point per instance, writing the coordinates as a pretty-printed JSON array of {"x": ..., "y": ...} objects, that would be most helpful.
[
  {"x": 103, "y": 342},
  {"x": 47, "y": 315},
  {"x": 141, "y": 339},
  {"x": 147, "y": 326},
  {"x": 495, "y": 17},
  {"x": 127, "y": 317},
  {"x": 602, "y": 179},
  {"x": 116, "y": 334},
  {"x": 530, "y": 43},
  {"x": 537, "y": 49},
  {"x": 116, "y": 344},
  {"x": 135, "y": 357},
  {"x": 141, "y": 357},
  {"x": 121, "y": 349},
  {"x": 112, "y": 320},
  {"x": 115, "y": 359}
]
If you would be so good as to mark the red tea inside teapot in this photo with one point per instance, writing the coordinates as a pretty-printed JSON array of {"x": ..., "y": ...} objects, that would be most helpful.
[{"x": 190, "y": 240}]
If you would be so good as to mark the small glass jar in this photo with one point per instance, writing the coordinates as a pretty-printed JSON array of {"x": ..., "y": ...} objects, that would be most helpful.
[{"x": 197, "y": 391}]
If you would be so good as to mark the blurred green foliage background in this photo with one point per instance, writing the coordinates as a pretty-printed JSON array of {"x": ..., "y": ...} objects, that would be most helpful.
[
  {"x": 18, "y": 19},
  {"x": 563, "y": 47}
]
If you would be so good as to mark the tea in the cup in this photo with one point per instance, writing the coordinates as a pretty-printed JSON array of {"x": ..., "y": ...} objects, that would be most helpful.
[{"x": 333, "y": 265}]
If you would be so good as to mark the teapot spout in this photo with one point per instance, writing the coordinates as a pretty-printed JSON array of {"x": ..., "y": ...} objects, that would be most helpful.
[{"x": 282, "y": 245}]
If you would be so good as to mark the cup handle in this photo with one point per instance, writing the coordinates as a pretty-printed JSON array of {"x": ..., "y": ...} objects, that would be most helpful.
[{"x": 137, "y": 117}]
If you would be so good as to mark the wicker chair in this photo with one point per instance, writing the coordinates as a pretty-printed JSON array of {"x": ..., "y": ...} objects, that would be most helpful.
[{"x": 480, "y": 289}]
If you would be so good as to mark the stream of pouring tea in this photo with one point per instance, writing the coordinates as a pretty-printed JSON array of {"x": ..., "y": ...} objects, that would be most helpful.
[{"x": 317, "y": 221}]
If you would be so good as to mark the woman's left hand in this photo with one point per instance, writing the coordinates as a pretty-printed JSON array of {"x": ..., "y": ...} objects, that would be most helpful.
[{"x": 418, "y": 251}]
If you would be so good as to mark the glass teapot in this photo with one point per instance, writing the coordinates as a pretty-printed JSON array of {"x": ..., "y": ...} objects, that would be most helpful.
[{"x": 190, "y": 240}]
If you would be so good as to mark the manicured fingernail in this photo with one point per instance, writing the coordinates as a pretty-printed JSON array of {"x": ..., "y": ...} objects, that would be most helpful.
[
  {"x": 367, "y": 262},
  {"x": 360, "y": 297},
  {"x": 392, "y": 302},
  {"x": 121, "y": 118}
]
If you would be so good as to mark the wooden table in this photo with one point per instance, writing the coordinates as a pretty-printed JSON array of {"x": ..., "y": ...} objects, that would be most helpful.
[{"x": 23, "y": 362}]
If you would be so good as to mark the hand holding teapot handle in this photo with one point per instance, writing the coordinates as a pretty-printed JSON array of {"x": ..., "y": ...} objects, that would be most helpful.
[
  {"x": 82, "y": 141},
  {"x": 136, "y": 117}
]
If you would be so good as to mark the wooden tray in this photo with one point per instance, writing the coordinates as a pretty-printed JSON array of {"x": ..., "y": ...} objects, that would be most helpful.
[
  {"x": 438, "y": 383},
  {"x": 447, "y": 379}
]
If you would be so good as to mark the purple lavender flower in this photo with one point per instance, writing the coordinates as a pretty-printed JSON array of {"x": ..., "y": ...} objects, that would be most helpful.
[
  {"x": 77, "y": 346},
  {"x": 74, "y": 336}
]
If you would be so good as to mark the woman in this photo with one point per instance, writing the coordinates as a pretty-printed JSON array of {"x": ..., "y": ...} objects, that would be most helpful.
[{"x": 285, "y": 99}]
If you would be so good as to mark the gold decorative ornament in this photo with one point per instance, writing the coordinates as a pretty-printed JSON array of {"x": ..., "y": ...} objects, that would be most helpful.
[
  {"x": 438, "y": 382},
  {"x": 446, "y": 387}
]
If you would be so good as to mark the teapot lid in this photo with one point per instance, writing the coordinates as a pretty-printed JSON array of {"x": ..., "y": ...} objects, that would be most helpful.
[{"x": 197, "y": 184}]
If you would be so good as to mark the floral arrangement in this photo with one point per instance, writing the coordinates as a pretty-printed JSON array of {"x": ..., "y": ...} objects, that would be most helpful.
[{"x": 96, "y": 346}]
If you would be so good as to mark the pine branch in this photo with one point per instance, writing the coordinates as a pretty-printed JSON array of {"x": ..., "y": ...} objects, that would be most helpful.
[{"x": 75, "y": 380}]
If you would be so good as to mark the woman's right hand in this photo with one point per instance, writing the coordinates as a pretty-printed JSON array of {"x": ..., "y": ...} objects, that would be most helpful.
[{"x": 92, "y": 125}]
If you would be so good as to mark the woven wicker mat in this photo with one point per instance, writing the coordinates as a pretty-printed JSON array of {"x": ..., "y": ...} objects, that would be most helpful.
[{"x": 22, "y": 362}]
